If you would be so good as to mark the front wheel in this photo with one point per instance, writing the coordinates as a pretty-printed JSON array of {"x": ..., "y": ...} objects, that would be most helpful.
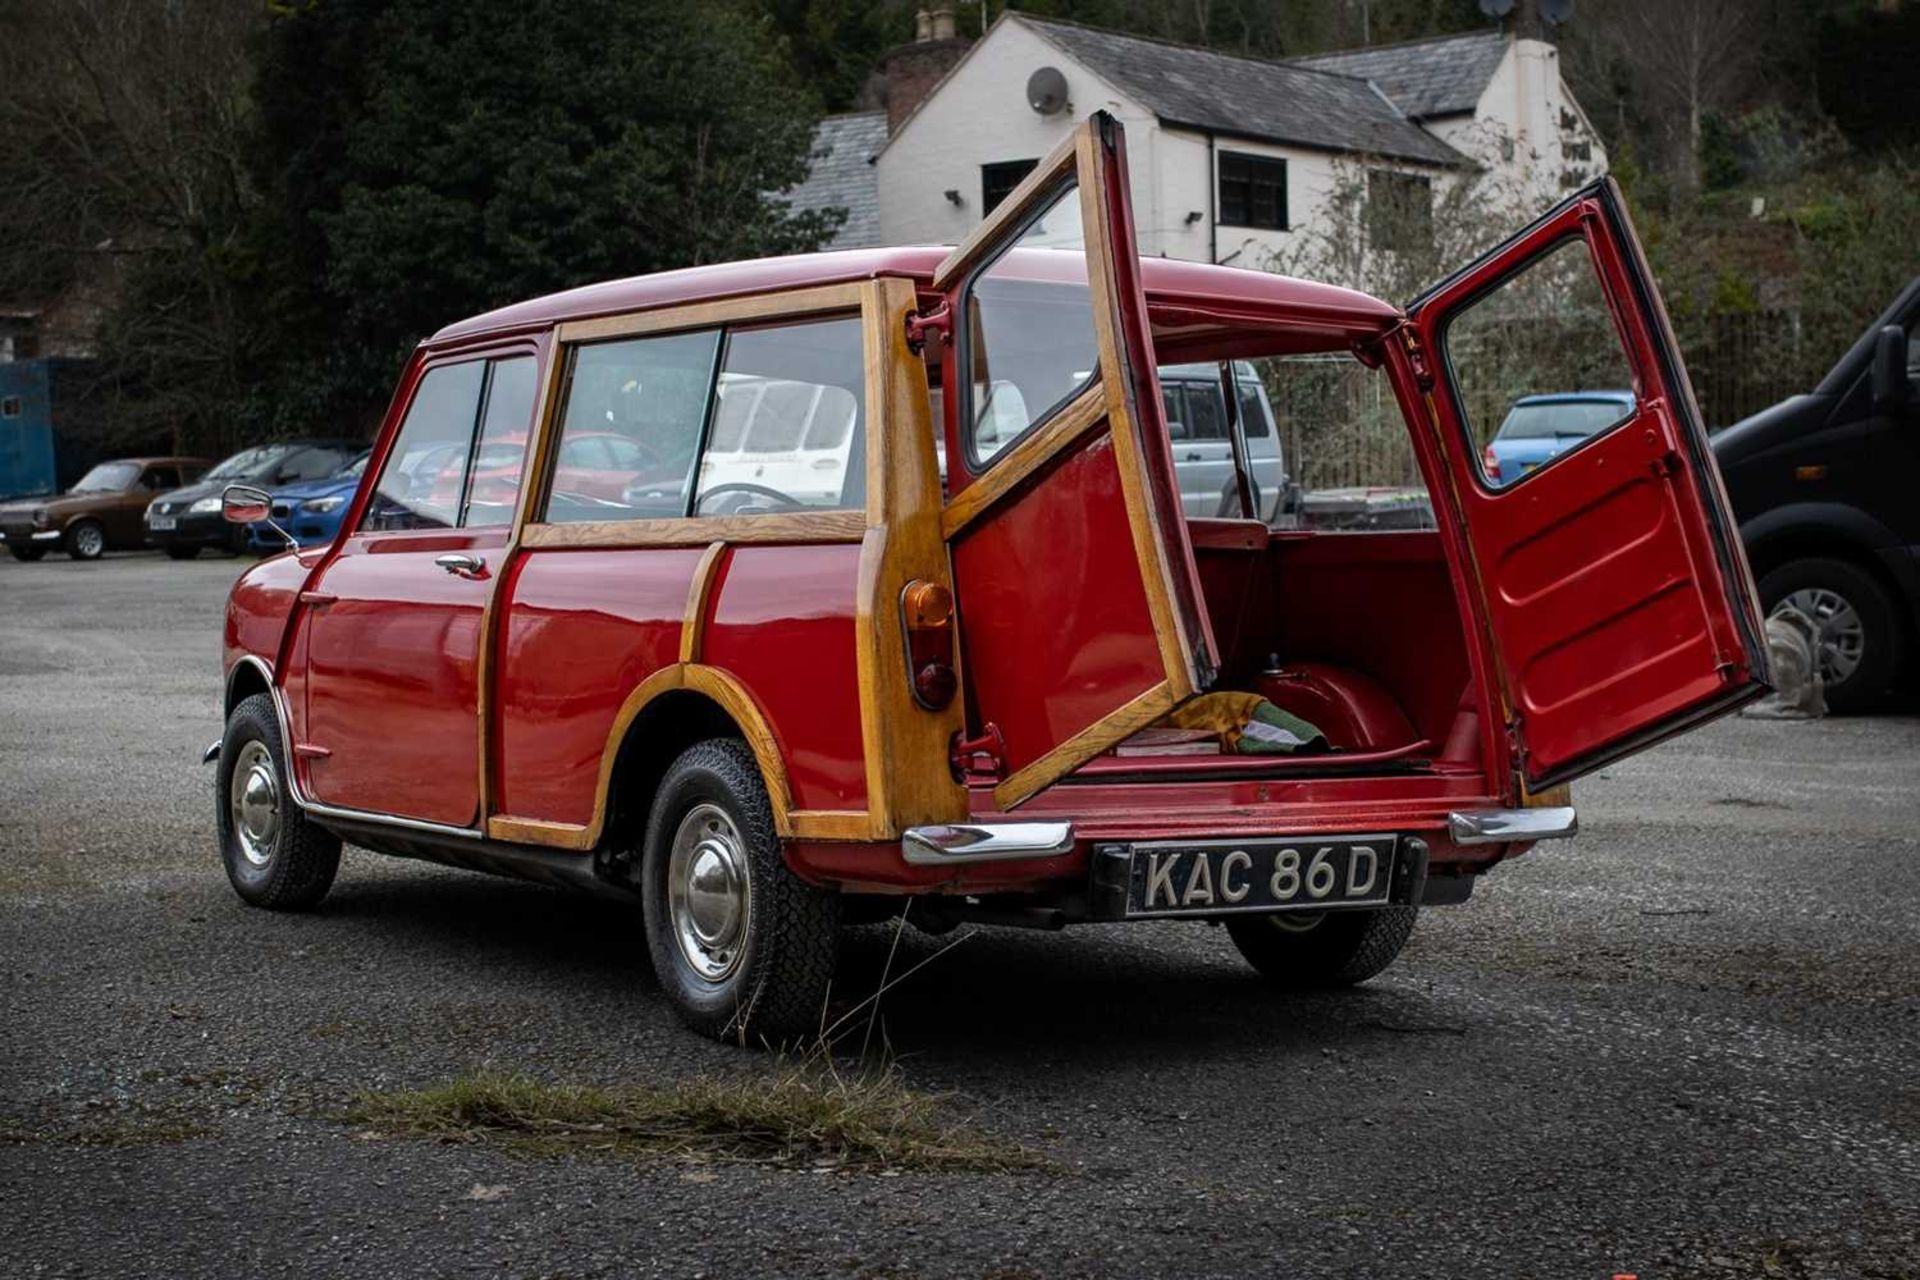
[
  {"x": 86, "y": 540},
  {"x": 27, "y": 554},
  {"x": 1325, "y": 949},
  {"x": 743, "y": 948},
  {"x": 275, "y": 856}
]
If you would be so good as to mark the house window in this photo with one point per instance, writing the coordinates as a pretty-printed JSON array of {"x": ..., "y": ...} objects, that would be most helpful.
[
  {"x": 1253, "y": 191},
  {"x": 10, "y": 407},
  {"x": 997, "y": 181},
  {"x": 1399, "y": 210}
]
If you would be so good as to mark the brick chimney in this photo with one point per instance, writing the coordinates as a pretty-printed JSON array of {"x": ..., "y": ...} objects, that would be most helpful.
[{"x": 911, "y": 70}]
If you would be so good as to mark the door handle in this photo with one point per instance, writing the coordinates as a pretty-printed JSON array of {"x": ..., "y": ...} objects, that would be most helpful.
[
  {"x": 1192, "y": 457},
  {"x": 462, "y": 564}
]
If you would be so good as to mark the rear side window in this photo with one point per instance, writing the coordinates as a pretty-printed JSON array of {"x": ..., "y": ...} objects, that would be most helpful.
[
  {"x": 630, "y": 427},
  {"x": 779, "y": 408},
  {"x": 419, "y": 487},
  {"x": 791, "y": 395},
  {"x": 158, "y": 478}
]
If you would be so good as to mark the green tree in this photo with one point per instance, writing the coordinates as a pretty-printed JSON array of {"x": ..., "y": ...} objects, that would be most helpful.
[{"x": 429, "y": 161}]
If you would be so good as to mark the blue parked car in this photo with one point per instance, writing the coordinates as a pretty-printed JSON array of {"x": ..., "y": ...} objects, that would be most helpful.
[
  {"x": 311, "y": 511},
  {"x": 1539, "y": 427}
]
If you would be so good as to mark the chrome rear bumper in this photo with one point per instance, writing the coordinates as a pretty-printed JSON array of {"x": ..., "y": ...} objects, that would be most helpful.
[
  {"x": 985, "y": 842},
  {"x": 1500, "y": 826}
]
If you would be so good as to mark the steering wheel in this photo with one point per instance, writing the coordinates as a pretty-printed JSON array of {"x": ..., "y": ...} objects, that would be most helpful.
[{"x": 786, "y": 501}]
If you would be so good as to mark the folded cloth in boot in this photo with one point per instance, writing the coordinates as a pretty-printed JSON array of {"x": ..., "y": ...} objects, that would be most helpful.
[{"x": 1248, "y": 725}]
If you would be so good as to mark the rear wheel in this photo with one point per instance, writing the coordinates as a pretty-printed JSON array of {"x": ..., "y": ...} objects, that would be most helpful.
[
  {"x": 275, "y": 856},
  {"x": 1326, "y": 949},
  {"x": 86, "y": 540},
  {"x": 743, "y": 948},
  {"x": 28, "y": 554},
  {"x": 1860, "y": 643}
]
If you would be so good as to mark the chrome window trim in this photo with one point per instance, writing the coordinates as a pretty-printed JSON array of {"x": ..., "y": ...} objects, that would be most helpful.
[
  {"x": 945, "y": 844},
  {"x": 1500, "y": 826}
]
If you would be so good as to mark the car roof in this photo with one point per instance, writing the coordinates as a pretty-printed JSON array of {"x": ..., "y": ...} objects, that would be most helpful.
[{"x": 1171, "y": 285}]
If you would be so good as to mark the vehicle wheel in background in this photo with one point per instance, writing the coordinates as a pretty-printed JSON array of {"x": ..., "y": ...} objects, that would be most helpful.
[
  {"x": 1325, "y": 949},
  {"x": 1861, "y": 643},
  {"x": 86, "y": 540},
  {"x": 275, "y": 856},
  {"x": 28, "y": 554},
  {"x": 743, "y": 947},
  {"x": 182, "y": 553}
]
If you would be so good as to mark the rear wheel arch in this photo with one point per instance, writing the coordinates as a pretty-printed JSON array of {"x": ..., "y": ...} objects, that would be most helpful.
[{"x": 664, "y": 727}]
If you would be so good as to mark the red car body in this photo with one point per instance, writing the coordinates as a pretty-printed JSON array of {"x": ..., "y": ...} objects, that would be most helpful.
[{"x": 518, "y": 718}]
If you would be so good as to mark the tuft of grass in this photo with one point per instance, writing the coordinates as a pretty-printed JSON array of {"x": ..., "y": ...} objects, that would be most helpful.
[{"x": 808, "y": 1116}]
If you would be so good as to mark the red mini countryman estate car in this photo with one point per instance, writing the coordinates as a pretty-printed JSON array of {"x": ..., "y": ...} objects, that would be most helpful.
[{"x": 897, "y": 602}]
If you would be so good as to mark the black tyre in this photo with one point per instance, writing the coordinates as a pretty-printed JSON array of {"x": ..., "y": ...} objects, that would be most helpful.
[
  {"x": 744, "y": 949},
  {"x": 1331, "y": 949},
  {"x": 183, "y": 553},
  {"x": 275, "y": 856},
  {"x": 1862, "y": 643},
  {"x": 28, "y": 554},
  {"x": 86, "y": 540}
]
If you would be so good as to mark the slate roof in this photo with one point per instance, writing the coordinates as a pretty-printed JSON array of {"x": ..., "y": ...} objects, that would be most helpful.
[
  {"x": 1286, "y": 102},
  {"x": 1425, "y": 78},
  {"x": 843, "y": 176}
]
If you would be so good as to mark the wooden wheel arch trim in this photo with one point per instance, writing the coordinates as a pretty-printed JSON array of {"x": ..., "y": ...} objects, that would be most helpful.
[{"x": 789, "y": 823}]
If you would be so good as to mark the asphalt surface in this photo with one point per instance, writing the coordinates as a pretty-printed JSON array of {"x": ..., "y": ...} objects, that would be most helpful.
[{"x": 1681, "y": 1045}]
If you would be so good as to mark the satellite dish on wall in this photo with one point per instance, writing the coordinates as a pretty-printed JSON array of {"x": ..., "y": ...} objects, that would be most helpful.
[
  {"x": 1047, "y": 90},
  {"x": 1496, "y": 8},
  {"x": 1556, "y": 12}
]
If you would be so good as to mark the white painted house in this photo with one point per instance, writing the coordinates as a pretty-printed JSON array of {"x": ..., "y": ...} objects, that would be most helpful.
[{"x": 1230, "y": 156}]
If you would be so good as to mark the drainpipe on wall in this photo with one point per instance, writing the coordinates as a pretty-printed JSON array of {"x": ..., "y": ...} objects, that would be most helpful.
[{"x": 1213, "y": 204}]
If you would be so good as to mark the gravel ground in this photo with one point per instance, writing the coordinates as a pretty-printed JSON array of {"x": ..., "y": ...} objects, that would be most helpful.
[{"x": 1682, "y": 1045}]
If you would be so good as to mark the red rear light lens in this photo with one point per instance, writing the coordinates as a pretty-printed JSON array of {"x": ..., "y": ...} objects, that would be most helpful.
[{"x": 1490, "y": 463}]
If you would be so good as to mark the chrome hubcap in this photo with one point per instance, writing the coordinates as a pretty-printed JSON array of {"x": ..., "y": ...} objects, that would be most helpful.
[
  {"x": 254, "y": 798},
  {"x": 708, "y": 895},
  {"x": 1842, "y": 636},
  {"x": 1297, "y": 921},
  {"x": 90, "y": 541}
]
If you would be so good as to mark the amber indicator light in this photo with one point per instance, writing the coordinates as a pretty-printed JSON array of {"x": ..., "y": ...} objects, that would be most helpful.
[
  {"x": 1810, "y": 473},
  {"x": 926, "y": 610}
]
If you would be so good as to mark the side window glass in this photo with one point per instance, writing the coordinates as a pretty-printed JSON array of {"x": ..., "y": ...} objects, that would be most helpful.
[
  {"x": 1342, "y": 458},
  {"x": 1538, "y": 366},
  {"x": 500, "y": 456},
  {"x": 162, "y": 478},
  {"x": 788, "y": 432},
  {"x": 651, "y": 394},
  {"x": 419, "y": 487},
  {"x": 1030, "y": 343},
  {"x": 1255, "y": 416},
  {"x": 1176, "y": 413},
  {"x": 1206, "y": 414}
]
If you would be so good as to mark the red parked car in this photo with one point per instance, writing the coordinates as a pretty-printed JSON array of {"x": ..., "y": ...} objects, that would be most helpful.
[{"x": 941, "y": 672}]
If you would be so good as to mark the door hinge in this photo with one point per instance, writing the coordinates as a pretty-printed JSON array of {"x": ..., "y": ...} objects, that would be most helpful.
[
  {"x": 935, "y": 326},
  {"x": 1667, "y": 464},
  {"x": 982, "y": 758},
  {"x": 1417, "y": 357}
]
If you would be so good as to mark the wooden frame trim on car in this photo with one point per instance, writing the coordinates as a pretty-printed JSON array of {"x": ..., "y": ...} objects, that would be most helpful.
[
  {"x": 903, "y": 744},
  {"x": 1089, "y": 158},
  {"x": 724, "y": 689}
]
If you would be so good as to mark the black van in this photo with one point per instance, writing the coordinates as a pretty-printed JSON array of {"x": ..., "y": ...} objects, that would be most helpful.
[{"x": 1826, "y": 487}]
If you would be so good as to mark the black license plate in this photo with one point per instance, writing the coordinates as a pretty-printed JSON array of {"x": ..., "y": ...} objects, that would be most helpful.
[{"x": 1219, "y": 877}]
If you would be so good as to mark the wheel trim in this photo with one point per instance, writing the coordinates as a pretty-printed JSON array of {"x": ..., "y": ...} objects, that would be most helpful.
[
  {"x": 90, "y": 541},
  {"x": 1841, "y": 637},
  {"x": 1296, "y": 921},
  {"x": 709, "y": 893},
  {"x": 253, "y": 799}
]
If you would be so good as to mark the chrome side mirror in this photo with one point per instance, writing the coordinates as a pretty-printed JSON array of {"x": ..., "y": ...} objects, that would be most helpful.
[{"x": 244, "y": 504}]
